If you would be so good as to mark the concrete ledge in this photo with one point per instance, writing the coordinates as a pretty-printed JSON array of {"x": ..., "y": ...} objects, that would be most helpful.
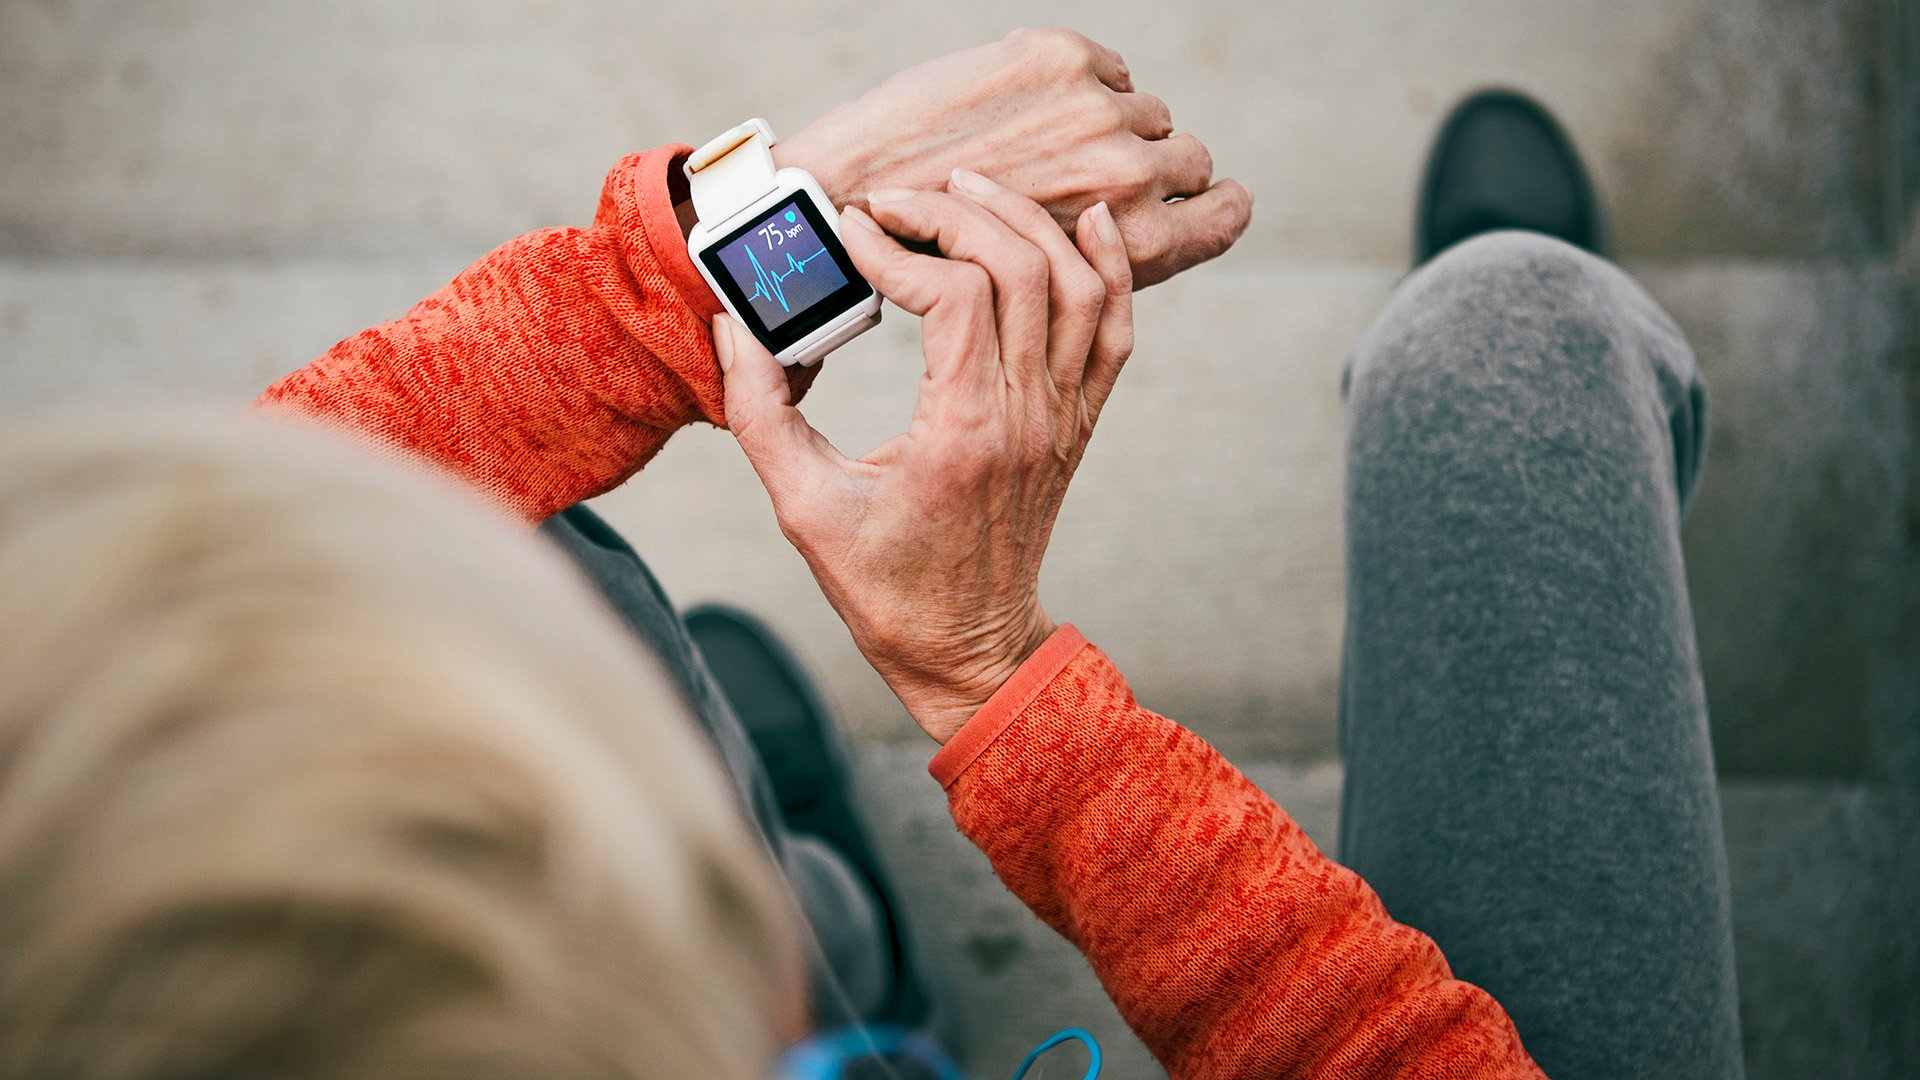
[{"x": 234, "y": 127}]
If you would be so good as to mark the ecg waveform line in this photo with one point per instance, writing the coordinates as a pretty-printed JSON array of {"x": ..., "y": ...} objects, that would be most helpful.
[{"x": 767, "y": 283}]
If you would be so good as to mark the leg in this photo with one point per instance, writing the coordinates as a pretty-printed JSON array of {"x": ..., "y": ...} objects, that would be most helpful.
[
  {"x": 1528, "y": 774},
  {"x": 809, "y": 767},
  {"x": 854, "y": 973}
]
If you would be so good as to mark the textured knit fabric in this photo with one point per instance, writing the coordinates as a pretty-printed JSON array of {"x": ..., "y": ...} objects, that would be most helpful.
[
  {"x": 1231, "y": 945},
  {"x": 1528, "y": 772},
  {"x": 556, "y": 366},
  {"x": 552, "y": 369}
]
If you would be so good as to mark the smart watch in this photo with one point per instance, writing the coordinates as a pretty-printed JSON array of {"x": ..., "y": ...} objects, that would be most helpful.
[{"x": 768, "y": 242}]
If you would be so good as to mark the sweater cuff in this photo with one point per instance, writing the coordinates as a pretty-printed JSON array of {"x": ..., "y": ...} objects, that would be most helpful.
[
  {"x": 1007, "y": 704},
  {"x": 658, "y": 185}
]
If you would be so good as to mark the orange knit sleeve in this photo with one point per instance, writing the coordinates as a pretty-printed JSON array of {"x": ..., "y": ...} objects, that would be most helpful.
[
  {"x": 1231, "y": 945},
  {"x": 547, "y": 372}
]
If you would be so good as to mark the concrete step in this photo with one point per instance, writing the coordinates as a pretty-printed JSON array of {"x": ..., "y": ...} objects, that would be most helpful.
[
  {"x": 1202, "y": 543},
  {"x": 1760, "y": 127},
  {"x": 1826, "y": 878}
]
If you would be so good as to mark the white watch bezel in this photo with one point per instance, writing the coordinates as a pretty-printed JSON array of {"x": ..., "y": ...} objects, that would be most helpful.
[{"x": 815, "y": 346}]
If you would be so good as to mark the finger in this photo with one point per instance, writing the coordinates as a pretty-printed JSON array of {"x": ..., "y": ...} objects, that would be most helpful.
[
  {"x": 1061, "y": 49},
  {"x": 954, "y": 300},
  {"x": 1076, "y": 293},
  {"x": 1183, "y": 164},
  {"x": 1147, "y": 116},
  {"x": 794, "y": 461},
  {"x": 800, "y": 379},
  {"x": 1019, "y": 272},
  {"x": 1176, "y": 236},
  {"x": 1098, "y": 238},
  {"x": 915, "y": 282},
  {"x": 1111, "y": 68}
]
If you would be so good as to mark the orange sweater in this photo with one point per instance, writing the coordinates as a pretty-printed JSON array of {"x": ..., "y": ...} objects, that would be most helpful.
[{"x": 557, "y": 366}]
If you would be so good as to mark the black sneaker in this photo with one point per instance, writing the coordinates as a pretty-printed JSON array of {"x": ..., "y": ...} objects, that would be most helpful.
[
  {"x": 1501, "y": 162},
  {"x": 810, "y": 768}
]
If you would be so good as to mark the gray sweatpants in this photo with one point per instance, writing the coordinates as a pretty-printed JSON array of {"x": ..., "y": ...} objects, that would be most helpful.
[{"x": 1528, "y": 773}]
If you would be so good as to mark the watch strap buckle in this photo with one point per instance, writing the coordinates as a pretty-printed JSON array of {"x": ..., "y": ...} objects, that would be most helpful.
[{"x": 731, "y": 170}]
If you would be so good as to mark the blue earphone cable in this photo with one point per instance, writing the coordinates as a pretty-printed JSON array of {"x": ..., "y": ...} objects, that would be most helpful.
[
  {"x": 1068, "y": 1035},
  {"x": 825, "y": 1056}
]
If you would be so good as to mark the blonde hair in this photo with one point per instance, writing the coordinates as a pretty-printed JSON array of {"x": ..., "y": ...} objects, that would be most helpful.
[{"x": 311, "y": 766}]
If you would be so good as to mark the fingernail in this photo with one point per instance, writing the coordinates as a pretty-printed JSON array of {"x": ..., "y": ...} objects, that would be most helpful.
[
  {"x": 1103, "y": 224},
  {"x": 972, "y": 182},
  {"x": 858, "y": 217},
  {"x": 892, "y": 194},
  {"x": 723, "y": 342}
]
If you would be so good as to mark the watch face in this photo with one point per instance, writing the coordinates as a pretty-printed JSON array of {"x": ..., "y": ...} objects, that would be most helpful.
[{"x": 785, "y": 272}]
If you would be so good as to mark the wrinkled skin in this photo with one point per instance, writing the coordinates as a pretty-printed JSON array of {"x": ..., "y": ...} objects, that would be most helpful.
[
  {"x": 929, "y": 547},
  {"x": 1050, "y": 114}
]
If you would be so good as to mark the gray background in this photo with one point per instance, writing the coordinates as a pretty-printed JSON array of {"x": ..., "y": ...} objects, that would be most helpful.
[{"x": 199, "y": 195}]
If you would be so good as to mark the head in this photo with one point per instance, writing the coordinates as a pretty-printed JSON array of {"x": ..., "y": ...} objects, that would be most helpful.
[{"x": 312, "y": 766}]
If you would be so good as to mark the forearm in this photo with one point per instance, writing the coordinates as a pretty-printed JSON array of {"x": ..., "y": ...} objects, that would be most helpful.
[
  {"x": 1229, "y": 942},
  {"x": 547, "y": 372}
]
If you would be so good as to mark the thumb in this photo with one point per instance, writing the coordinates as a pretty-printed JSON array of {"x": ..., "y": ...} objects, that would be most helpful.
[{"x": 790, "y": 456}]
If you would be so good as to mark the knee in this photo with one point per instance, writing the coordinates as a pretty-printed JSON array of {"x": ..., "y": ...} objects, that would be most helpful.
[
  {"x": 1511, "y": 306},
  {"x": 1515, "y": 264},
  {"x": 1511, "y": 282},
  {"x": 1519, "y": 333}
]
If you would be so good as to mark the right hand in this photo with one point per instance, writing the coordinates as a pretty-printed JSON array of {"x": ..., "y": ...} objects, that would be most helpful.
[
  {"x": 929, "y": 547},
  {"x": 1050, "y": 114}
]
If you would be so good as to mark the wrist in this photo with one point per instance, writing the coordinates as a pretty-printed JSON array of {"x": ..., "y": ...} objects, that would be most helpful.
[
  {"x": 942, "y": 702},
  {"x": 836, "y": 160},
  {"x": 646, "y": 199}
]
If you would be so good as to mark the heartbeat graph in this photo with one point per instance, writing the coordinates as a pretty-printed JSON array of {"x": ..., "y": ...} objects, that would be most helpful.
[{"x": 767, "y": 282}]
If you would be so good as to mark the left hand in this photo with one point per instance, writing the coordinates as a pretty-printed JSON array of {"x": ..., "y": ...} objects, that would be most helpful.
[
  {"x": 929, "y": 547},
  {"x": 1050, "y": 114}
]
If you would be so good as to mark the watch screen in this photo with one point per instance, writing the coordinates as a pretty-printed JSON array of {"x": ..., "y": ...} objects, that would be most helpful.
[{"x": 786, "y": 272}]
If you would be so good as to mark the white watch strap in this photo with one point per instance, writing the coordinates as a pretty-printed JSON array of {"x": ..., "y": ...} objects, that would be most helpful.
[{"x": 731, "y": 171}]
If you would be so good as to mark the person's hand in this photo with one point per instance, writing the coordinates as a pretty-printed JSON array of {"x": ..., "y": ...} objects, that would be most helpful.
[
  {"x": 1051, "y": 115},
  {"x": 930, "y": 546}
]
